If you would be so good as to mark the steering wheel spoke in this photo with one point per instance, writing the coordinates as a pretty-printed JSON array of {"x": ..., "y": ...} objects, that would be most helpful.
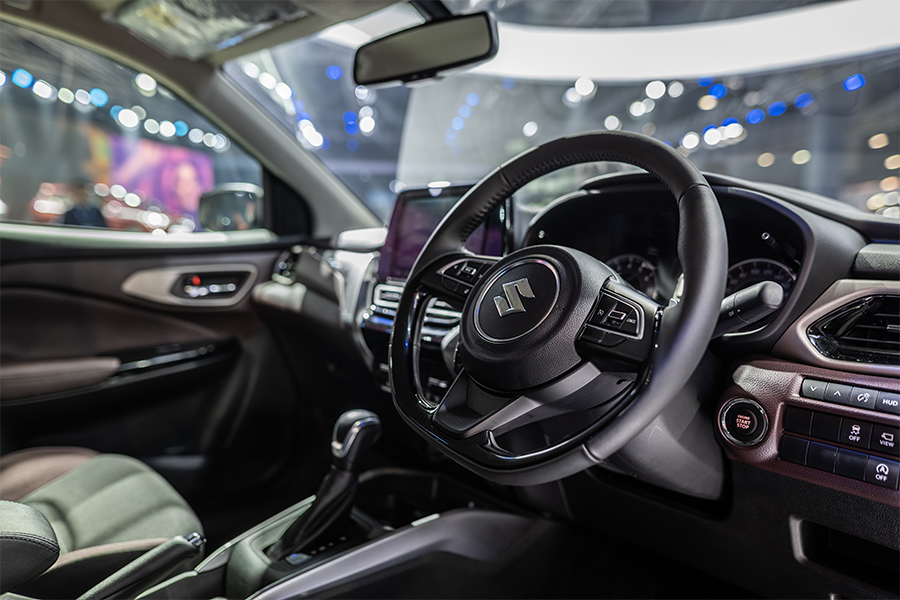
[
  {"x": 622, "y": 325},
  {"x": 469, "y": 410},
  {"x": 453, "y": 276}
]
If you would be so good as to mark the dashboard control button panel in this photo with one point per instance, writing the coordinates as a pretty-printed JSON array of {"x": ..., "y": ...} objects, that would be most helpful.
[
  {"x": 855, "y": 396},
  {"x": 848, "y": 431},
  {"x": 847, "y": 463},
  {"x": 819, "y": 433}
]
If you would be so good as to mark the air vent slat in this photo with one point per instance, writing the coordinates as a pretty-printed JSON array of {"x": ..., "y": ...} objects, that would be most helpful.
[{"x": 867, "y": 330}]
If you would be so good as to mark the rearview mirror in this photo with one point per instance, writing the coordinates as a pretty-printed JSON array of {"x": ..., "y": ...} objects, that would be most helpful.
[
  {"x": 231, "y": 207},
  {"x": 426, "y": 50}
]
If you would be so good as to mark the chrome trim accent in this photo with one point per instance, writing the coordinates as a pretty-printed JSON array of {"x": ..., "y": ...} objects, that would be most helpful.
[{"x": 497, "y": 276}]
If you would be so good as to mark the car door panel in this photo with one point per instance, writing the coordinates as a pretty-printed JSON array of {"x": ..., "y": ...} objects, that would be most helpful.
[{"x": 198, "y": 391}]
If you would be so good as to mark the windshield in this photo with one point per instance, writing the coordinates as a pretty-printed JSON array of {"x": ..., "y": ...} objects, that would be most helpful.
[{"x": 794, "y": 93}]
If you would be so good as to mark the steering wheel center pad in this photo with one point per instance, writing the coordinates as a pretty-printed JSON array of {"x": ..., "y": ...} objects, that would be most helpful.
[{"x": 520, "y": 323}]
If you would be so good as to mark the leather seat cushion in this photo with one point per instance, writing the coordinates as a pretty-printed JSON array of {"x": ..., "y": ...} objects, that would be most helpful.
[
  {"x": 106, "y": 510},
  {"x": 112, "y": 498}
]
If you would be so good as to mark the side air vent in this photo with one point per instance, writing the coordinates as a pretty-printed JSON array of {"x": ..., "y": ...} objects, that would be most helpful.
[{"x": 867, "y": 330}]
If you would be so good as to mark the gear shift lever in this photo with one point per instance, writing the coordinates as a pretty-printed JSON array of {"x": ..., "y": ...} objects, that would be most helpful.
[{"x": 354, "y": 433}]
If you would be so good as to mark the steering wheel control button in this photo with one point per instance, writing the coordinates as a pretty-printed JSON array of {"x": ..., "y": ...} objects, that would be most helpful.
[
  {"x": 883, "y": 472},
  {"x": 863, "y": 398},
  {"x": 885, "y": 439},
  {"x": 743, "y": 422},
  {"x": 851, "y": 464},
  {"x": 459, "y": 277},
  {"x": 617, "y": 315},
  {"x": 813, "y": 388},
  {"x": 838, "y": 393},
  {"x": 793, "y": 449},
  {"x": 821, "y": 457},
  {"x": 855, "y": 433},
  {"x": 826, "y": 427},
  {"x": 888, "y": 402},
  {"x": 517, "y": 300},
  {"x": 798, "y": 420}
]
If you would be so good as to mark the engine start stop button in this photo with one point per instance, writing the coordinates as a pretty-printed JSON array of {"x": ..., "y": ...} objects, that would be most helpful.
[{"x": 743, "y": 422}]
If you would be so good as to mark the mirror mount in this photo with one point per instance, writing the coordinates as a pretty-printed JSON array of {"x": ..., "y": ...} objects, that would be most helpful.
[{"x": 427, "y": 50}]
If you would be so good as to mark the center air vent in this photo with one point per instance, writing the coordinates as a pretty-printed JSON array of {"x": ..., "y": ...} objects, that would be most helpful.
[{"x": 868, "y": 331}]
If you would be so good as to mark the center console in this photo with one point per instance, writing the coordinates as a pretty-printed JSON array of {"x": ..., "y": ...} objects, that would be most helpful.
[{"x": 402, "y": 522}]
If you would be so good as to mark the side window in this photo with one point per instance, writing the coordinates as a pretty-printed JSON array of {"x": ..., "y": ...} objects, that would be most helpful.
[{"x": 87, "y": 142}]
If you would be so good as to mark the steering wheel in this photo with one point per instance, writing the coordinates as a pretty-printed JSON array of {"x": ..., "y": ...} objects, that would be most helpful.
[{"x": 561, "y": 361}]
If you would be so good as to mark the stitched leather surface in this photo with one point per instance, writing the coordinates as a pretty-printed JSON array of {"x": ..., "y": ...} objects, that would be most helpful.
[{"x": 27, "y": 544}]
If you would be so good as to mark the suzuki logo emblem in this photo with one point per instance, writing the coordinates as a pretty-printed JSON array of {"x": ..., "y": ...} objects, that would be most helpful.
[{"x": 513, "y": 292}]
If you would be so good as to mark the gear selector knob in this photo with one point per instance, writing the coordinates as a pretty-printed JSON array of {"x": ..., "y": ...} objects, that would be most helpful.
[{"x": 354, "y": 433}]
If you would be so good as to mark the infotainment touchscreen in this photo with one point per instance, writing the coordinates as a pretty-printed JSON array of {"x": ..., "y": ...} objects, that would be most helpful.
[{"x": 416, "y": 214}]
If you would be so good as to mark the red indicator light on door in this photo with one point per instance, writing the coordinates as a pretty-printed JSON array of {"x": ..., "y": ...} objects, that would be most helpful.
[{"x": 195, "y": 280}]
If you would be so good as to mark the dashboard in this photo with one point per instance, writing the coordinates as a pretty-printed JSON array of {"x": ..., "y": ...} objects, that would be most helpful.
[{"x": 755, "y": 415}]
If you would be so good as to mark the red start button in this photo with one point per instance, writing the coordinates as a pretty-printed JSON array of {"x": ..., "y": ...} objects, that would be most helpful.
[{"x": 743, "y": 422}]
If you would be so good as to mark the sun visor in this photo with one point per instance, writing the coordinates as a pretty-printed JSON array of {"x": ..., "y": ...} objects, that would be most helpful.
[{"x": 194, "y": 29}]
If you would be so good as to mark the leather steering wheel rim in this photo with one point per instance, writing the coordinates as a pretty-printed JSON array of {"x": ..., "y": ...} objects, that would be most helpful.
[{"x": 684, "y": 329}]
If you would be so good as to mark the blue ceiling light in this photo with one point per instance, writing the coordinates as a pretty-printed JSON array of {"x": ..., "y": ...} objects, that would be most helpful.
[
  {"x": 851, "y": 84},
  {"x": 351, "y": 128},
  {"x": 729, "y": 121},
  {"x": 509, "y": 83},
  {"x": 353, "y": 144},
  {"x": 706, "y": 81},
  {"x": 114, "y": 111},
  {"x": 181, "y": 128},
  {"x": 755, "y": 116},
  {"x": 457, "y": 123},
  {"x": 349, "y": 117},
  {"x": 465, "y": 111},
  {"x": 777, "y": 108},
  {"x": 22, "y": 78},
  {"x": 669, "y": 143},
  {"x": 708, "y": 127},
  {"x": 717, "y": 91},
  {"x": 334, "y": 72},
  {"x": 99, "y": 97},
  {"x": 326, "y": 144},
  {"x": 298, "y": 105},
  {"x": 803, "y": 100},
  {"x": 303, "y": 115},
  {"x": 472, "y": 99}
]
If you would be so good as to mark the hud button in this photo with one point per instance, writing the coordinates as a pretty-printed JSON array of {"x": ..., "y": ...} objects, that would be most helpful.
[{"x": 888, "y": 402}]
